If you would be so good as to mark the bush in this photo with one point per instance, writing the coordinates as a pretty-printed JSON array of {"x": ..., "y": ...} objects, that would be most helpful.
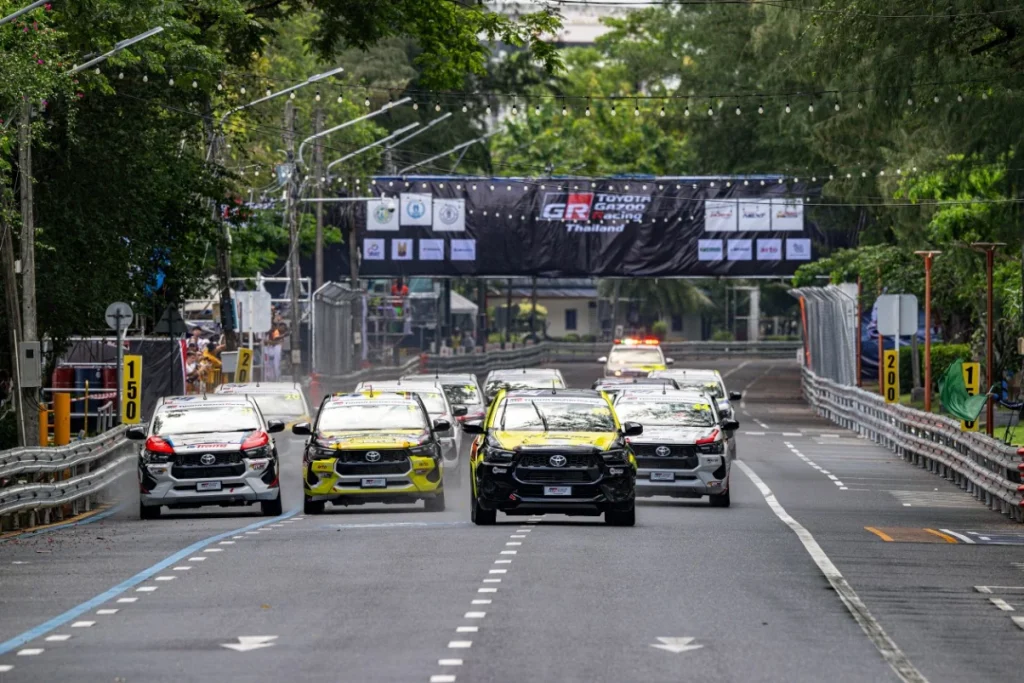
[
  {"x": 660, "y": 330},
  {"x": 571, "y": 337},
  {"x": 722, "y": 336},
  {"x": 589, "y": 338},
  {"x": 943, "y": 355}
]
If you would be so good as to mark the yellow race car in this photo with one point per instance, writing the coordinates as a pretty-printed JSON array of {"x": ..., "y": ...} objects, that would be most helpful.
[
  {"x": 634, "y": 358},
  {"x": 553, "y": 451},
  {"x": 372, "y": 447}
]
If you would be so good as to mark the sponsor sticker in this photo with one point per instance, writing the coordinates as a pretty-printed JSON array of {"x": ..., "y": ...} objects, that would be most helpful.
[
  {"x": 769, "y": 250},
  {"x": 709, "y": 250},
  {"x": 449, "y": 215},
  {"x": 741, "y": 250},
  {"x": 720, "y": 216},
  {"x": 401, "y": 250},
  {"x": 798, "y": 249},
  {"x": 755, "y": 215},
  {"x": 463, "y": 250},
  {"x": 594, "y": 212},
  {"x": 788, "y": 214},
  {"x": 382, "y": 214},
  {"x": 373, "y": 248}
]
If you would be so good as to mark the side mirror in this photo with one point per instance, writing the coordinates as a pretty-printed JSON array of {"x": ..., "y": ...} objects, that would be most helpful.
[
  {"x": 602, "y": 359},
  {"x": 460, "y": 411},
  {"x": 302, "y": 429},
  {"x": 275, "y": 426},
  {"x": 730, "y": 425},
  {"x": 441, "y": 426},
  {"x": 136, "y": 433},
  {"x": 670, "y": 361},
  {"x": 735, "y": 395},
  {"x": 473, "y": 428},
  {"x": 632, "y": 429}
]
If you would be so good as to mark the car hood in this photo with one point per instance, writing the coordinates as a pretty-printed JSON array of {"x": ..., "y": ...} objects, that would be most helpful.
[
  {"x": 678, "y": 435},
  {"x": 214, "y": 441},
  {"x": 513, "y": 440},
  {"x": 349, "y": 440}
]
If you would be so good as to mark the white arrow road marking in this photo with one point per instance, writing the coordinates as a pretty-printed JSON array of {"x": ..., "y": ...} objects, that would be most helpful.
[
  {"x": 676, "y": 645},
  {"x": 246, "y": 643}
]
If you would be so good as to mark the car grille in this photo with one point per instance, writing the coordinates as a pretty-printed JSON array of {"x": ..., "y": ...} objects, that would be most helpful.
[
  {"x": 648, "y": 463},
  {"x": 371, "y": 469},
  {"x": 195, "y": 459},
  {"x": 581, "y": 468},
  {"x": 559, "y": 476},
  {"x": 399, "y": 455},
  {"x": 213, "y": 472},
  {"x": 544, "y": 460},
  {"x": 676, "y": 451}
]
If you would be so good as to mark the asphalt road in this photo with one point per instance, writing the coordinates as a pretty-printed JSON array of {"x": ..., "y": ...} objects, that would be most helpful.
[{"x": 837, "y": 561}]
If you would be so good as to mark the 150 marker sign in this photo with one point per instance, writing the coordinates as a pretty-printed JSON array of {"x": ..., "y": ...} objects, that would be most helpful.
[{"x": 131, "y": 402}]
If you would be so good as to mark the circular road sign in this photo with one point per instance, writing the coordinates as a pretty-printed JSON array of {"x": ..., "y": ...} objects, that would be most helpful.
[{"x": 119, "y": 315}]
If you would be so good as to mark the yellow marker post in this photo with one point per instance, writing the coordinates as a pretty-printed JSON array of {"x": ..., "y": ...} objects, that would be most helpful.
[
  {"x": 131, "y": 391},
  {"x": 891, "y": 376},
  {"x": 244, "y": 371},
  {"x": 972, "y": 380}
]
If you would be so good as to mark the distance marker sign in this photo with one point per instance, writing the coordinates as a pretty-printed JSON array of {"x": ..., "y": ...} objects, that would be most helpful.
[
  {"x": 891, "y": 376},
  {"x": 131, "y": 393},
  {"x": 972, "y": 380}
]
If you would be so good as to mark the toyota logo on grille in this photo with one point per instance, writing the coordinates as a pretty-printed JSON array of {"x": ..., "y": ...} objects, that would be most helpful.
[
  {"x": 372, "y": 456},
  {"x": 663, "y": 451},
  {"x": 557, "y": 461},
  {"x": 208, "y": 459}
]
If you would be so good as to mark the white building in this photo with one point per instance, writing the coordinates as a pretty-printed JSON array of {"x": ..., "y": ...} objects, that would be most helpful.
[{"x": 581, "y": 23}]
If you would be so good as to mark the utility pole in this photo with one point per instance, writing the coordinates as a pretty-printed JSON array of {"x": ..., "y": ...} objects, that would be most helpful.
[
  {"x": 13, "y": 314},
  {"x": 318, "y": 177},
  {"x": 29, "y": 328},
  {"x": 293, "y": 238}
]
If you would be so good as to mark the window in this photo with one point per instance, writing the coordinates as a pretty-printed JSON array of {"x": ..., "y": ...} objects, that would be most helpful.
[
  {"x": 570, "y": 318},
  {"x": 677, "y": 323}
]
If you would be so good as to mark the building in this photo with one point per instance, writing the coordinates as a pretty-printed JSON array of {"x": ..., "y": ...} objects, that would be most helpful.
[{"x": 581, "y": 24}]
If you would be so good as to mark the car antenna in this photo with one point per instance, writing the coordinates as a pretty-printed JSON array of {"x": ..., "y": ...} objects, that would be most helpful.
[
  {"x": 552, "y": 390},
  {"x": 664, "y": 388}
]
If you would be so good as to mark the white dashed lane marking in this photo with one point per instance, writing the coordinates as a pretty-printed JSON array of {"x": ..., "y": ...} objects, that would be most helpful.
[
  {"x": 57, "y": 638},
  {"x": 82, "y": 624},
  {"x": 460, "y": 644},
  {"x": 467, "y": 629},
  {"x": 475, "y": 615},
  {"x": 127, "y": 600},
  {"x": 106, "y": 612},
  {"x": 449, "y": 662},
  {"x": 481, "y": 602},
  {"x": 442, "y": 678}
]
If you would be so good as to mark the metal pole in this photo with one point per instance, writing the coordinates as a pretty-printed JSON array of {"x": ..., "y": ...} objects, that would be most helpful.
[
  {"x": 990, "y": 250},
  {"x": 860, "y": 313},
  {"x": 318, "y": 172},
  {"x": 120, "y": 364},
  {"x": 508, "y": 313},
  {"x": 387, "y": 107},
  {"x": 928, "y": 257},
  {"x": 23, "y": 10},
  {"x": 293, "y": 241}
]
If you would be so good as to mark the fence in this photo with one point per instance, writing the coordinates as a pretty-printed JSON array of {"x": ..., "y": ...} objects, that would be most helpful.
[
  {"x": 337, "y": 310},
  {"x": 980, "y": 465},
  {"x": 830, "y": 330}
]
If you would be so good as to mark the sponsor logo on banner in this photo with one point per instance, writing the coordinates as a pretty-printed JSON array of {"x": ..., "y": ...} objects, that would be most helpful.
[
  {"x": 592, "y": 211},
  {"x": 741, "y": 250},
  {"x": 431, "y": 250},
  {"x": 449, "y": 215},
  {"x": 709, "y": 250},
  {"x": 373, "y": 249},
  {"x": 798, "y": 249},
  {"x": 382, "y": 214},
  {"x": 755, "y": 215},
  {"x": 788, "y": 214},
  {"x": 416, "y": 209},
  {"x": 401, "y": 250},
  {"x": 769, "y": 250},
  {"x": 463, "y": 250},
  {"x": 720, "y": 216}
]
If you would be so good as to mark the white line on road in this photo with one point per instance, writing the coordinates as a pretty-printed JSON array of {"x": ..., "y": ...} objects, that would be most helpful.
[
  {"x": 503, "y": 562},
  {"x": 57, "y": 638},
  {"x": 1019, "y": 621},
  {"x": 486, "y": 590},
  {"x": 449, "y": 662},
  {"x": 891, "y": 652},
  {"x": 30, "y": 652},
  {"x": 166, "y": 578},
  {"x": 467, "y": 629},
  {"x": 492, "y": 580},
  {"x": 82, "y": 624},
  {"x": 514, "y": 543},
  {"x": 145, "y": 589},
  {"x": 460, "y": 644},
  {"x": 197, "y": 559},
  {"x": 4, "y": 668},
  {"x": 474, "y": 615},
  {"x": 214, "y": 550},
  {"x": 963, "y": 538},
  {"x": 106, "y": 612},
  {"x": 508, "y": 552},
  {"x": 442, "y": 678},
  {"x": 127, "y": 600},
  {"x": 738, "y": 367},
  {"x": 480, "y": 602},
  {"x": 182, "y": 568},
  {"x": 1001, "y": 604},
  {"x": 497, "y": 571}
]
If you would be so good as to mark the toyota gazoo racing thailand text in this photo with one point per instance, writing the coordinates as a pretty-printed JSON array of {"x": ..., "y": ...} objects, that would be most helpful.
[{"x": 594, "y": 211}]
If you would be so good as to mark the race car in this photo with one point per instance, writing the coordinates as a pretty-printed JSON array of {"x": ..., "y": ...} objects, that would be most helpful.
[
  {"x": 522, "y": 378},
  {"x": 614, "y": 385},
  {"x": 634, "y": 358},
  {"x": 682, "y": 451},
  {"x": 711, "y": 383},
  {"x": 278, "y": 400},
  {"x": 553, "y": 451},
  {"x": 461, "y": 389},
  {"x": 436, "y": 402},
  {"x": 207, "y": 450},
  {"x": 372, "y": 447}
]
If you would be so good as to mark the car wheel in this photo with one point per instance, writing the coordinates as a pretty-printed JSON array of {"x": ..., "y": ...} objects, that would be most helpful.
[
  {"x": 435, "y": 504},
  {"x": 272, "y": 508},
  {"x": 621, "y": 517},
  {"x": 480, "y": 516},
  {"x": 720, "y": 501},
  {"x": 312, "y": 507},
  {"x": 149, "y": 511}
]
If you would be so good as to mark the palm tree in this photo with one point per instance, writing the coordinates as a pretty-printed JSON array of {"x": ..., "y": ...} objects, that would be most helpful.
[{"x": 657, "y": 297}]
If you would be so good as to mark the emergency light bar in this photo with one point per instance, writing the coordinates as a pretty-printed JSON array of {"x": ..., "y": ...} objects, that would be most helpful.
[{"x": 629, "y": 341}]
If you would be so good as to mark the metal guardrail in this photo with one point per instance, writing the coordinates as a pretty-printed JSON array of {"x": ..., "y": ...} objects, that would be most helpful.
[
  {"x": 978, "y": 464},
  {"x": 49, "y": 480},
  {"x": 589, "y": 352}
]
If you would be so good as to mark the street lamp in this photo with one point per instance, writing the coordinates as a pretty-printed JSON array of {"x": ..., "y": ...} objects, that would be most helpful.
[
  {"x": 385, "y": 108},
  {"x": 78, "y": 68},
  {"x": 928, "y": 257},
  {"x": 442, "y": 155},
  {"x": 389, "y": 166},
  {"x": 397, "y": 133},
  {"x": 989, "y": 248},
  {"x": 11, "y": 17}
]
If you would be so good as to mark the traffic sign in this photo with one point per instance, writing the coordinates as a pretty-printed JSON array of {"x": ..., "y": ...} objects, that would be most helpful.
[
  {"x": 255, "y": 312},
  {"x": 243, "y": 375},
  {"x": 119, "y": 316},
  {"x": 171, "y": 323},
  {"x": 131, "y": 408},
  {"x": 897, "y": 315},
  {"x": 891, "y": 376}
]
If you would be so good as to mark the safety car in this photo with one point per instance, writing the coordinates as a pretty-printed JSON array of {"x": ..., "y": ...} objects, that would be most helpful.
[{"x": 633, "y": 357}]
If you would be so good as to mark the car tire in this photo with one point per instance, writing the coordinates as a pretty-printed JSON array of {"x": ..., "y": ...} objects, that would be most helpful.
[
  {"x": 621, "y": 517},
  {"x": 313, "y": 507},
  {"x": 435, "y": 504},
  {"x": 720, "y": 501},
  {"x": 480, "y": 516},
  {"x": 272, "y": 508},
  {"x": 149, "y": 511}
]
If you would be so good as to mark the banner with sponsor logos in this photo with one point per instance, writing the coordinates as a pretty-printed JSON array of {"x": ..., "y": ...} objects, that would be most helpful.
[{"x": 655, "y": 227}]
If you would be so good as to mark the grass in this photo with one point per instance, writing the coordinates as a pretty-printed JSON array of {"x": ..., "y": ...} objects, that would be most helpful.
[{"x": 1016, "y": 438}]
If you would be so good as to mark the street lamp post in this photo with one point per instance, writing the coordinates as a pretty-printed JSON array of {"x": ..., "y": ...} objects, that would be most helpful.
[
  {"x": 928, "y": 257},
  {"x": 989, "y": 248}
]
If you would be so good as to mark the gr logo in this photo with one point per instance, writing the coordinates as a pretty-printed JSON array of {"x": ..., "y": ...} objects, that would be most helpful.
[{"x": 567, "y": 207}]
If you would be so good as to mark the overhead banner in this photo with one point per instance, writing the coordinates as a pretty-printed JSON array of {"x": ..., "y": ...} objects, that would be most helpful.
[{"x": 657, "y": 227}]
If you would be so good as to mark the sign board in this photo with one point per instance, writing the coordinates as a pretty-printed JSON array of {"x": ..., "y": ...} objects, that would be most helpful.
[
  {"x": 891, "y": 376},
  {"x": 131, "y": 391},
  {"x": 897, "y": 315},
  {"x": 118, "y": 316},
  {"x": 228, "y": 361},
  {"x": 171, "y": 323},
  {"x": 243, "y": 374},
  {"x": 972, "y": 380},
  {"x": 255, "y": 312}
]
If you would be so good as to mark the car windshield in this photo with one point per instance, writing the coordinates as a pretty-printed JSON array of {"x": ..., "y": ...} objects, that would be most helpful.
[
  {"x": 280, "y": 404},
  {"x": 198, "y": 419},
  {"x": 635, "y": 356},
  {"x": 381, "y": 416},
  {"x": 462, "y": 394},
  {"x": 553, "y": 414},
  {"x": 494, "y": 386},
  {"x": 666, "y": 413},
  {"x": 709, "y": 387}
]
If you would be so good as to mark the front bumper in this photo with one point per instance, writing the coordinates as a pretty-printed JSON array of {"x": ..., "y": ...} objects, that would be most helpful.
[
  {"x": 257, "y": 480},
  {"x": 422, "y": 478},
  {"x": 506, "y": 491}
]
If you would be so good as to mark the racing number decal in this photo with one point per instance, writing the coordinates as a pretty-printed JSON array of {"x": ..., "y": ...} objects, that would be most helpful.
[
  {"x": 891, "y": 376},
  {"x": 972, "y": 380},
  {"x": 131, "y": 392},
  {"x": 244, "y": 371}
]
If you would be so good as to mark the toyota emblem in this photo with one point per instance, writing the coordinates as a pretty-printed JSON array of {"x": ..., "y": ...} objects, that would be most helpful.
[
  {"x": 372, "y": 456},
  {"x": 208, "y": 459},
  {"x": 663, "y": 451},
  {"x": 557, "y": 461}
]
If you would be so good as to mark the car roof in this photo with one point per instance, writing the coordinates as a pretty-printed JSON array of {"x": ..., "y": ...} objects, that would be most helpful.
[
  {"x": 567, "y": 393},
  {"x": 668, "y": 394},
  {"x": 519, "y": 372},
  {"x": 370, "y": 397},
  {"x": 392, "y": 385},
  {"x": 260, "y": 388},
  {"x": 689, "y": 373},
  {"x": 450, "y": 378},
  {"x": 203, "y": 401},
  {"x": 612, "y": 381}
]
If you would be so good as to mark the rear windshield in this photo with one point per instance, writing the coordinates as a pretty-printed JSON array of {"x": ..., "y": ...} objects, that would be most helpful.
[
  {"x": 666, "y": 413},
  {"x": 638, "y": 356},
  {"x": 280, "y": 404},
  {"x": 707, "y": 386},
  {"x": 462, "y": 394}
]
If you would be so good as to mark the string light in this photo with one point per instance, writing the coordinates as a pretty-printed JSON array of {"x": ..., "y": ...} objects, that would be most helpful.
[
  {"x": 465, "y": 108},
  {"x": 787, "y": 108},
  {"x": 291, "y": 96},
  {"x": 536, "y": 109},
  {"x": 738, "y": 112},
  {"x": 636, "y": 108},
  {"x": 120, "y": 76},
  {"x": 565, "y": 110},
  {"x": 686, "y": 112},
  {"x": 613, "y": 109},
  {"x": 145, "y": 78},
  {"x": 810, "y": 108},
  {"x": 515, "y": 109},
  {"x": 760, "y": 109},
  {"x": 341, "y": 98},
  {"x": 837, "y": 105},
  {"x": 959, "y": 97},
  {"x": 170, "y": 81},
  {"x": 587, "y": 112},
  {"x": 711, "y": 111},
  {"x": 195, "y": 83},
  {"x": 242, "y": 90},
  {"x": 220, "y": 87},
  {"x": 317, "y": 96},
  {"x": 488, "y": 109},
  {"x": 269, "y": 92},
  {"x": 662, "y": 112},
  {"x": 910, "y": 101}
]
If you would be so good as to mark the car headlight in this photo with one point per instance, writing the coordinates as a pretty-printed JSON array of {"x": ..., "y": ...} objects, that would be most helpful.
[
  {"x": 499, "y": 455},
  {"x": 426, "y": 449},
  {"x": 616, "y": 457},
  {"x": 715, "y": 448},
  {"x": 151, "y": 458}
]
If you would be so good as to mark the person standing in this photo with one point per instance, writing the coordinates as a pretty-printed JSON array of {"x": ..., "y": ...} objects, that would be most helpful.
[{"x": 272, "y": 353}]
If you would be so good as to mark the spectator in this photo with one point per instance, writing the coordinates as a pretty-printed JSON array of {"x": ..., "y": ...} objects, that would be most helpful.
[
  {"x": 197, "y": 337},
  {"x": 399, "y": 292},
  {"x": 468, "y": 343},
  {"x": 272, "y": 351}
]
